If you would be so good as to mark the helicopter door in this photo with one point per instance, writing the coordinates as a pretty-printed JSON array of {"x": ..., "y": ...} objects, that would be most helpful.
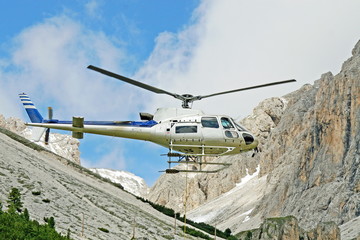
[
  {"x": 229, "y": 129},
  {"x": 211, "y": 130},
  {"x": 186, "y": 137}
]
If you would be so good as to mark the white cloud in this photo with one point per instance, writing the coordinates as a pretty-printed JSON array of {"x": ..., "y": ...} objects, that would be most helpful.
[
  {"x": 49, "y": 62},
  {"x": 92, "y": 9},
  {"x": 233, "y": 44}
]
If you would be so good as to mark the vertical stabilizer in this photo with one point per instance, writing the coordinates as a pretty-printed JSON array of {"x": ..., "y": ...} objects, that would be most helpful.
[{"x": 30, "y": 108}]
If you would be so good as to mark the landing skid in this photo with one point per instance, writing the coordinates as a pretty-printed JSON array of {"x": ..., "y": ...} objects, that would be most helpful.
[{"x": 192, "y": 159}]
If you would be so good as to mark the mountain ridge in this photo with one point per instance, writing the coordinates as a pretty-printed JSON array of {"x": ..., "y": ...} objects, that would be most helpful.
[{"x": 309, "y": 158}]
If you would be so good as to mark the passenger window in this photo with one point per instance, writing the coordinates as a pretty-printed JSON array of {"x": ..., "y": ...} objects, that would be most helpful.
[
  {"x": 210, "y": 122},
  {"x": 231, "y": 134},
  {"x": 225, "y": 122},
  {"x": 186, "y": 129}
]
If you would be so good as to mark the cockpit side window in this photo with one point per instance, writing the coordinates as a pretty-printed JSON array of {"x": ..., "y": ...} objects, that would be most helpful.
[
  {"x": 226, "y": 123},
  {"x": 209, "y": 122}
]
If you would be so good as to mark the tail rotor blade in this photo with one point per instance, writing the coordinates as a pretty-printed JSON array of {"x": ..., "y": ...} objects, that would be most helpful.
[{"x": 47, "y": 135}]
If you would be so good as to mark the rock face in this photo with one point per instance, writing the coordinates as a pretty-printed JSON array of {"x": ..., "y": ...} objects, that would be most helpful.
[
  {"x": 313, "y": 159},
  {"x": 288, "y": 228},
  {"x": 310, "y": 157},
  {"x": 61, "y": 144}
]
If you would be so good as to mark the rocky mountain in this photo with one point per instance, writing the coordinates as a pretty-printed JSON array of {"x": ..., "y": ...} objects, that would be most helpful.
[
  {"x": 131, "y": 183},
  {"x": 288, "y": 228},
  {"x": 78, "y": 199},
  {"x": 308, "y": 166}
]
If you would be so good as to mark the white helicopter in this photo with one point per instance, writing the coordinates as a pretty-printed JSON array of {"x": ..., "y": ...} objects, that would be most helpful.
[{"x": 189, "y": 134}]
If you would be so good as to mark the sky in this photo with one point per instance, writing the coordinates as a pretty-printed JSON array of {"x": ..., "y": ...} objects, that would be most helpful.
[{"x": 183, "y": 46}]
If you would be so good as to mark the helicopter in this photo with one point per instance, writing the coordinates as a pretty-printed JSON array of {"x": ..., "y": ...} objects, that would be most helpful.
[{"x": 189, "y": 134}]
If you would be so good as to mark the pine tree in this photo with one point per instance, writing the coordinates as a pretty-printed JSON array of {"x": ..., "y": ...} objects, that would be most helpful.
[
  {"x": 1, "y": 211},
  {"x": 14, "y": 201},
  {"x": 68, "y": 234},
  {"x": 50, "y": 221},
  {"x": 228, "y": 232},
  {"x": 26, "y": 215}
]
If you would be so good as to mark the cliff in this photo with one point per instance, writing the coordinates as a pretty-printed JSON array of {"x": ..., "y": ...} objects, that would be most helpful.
[
  {"x": 309, "y": 161},
  {"x": 288, "y": 228}
]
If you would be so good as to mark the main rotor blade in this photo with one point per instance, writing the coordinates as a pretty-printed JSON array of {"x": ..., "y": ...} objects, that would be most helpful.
[
  {"x": 132, "y": 81},
  {"x": 244, "y": 89}
]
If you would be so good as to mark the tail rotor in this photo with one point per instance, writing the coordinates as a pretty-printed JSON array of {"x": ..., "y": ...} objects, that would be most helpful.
[{"x": 47, "y": 133}]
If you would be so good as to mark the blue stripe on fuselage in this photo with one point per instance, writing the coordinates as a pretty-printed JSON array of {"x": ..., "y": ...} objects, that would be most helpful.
[{"x": 150, "y": 123}]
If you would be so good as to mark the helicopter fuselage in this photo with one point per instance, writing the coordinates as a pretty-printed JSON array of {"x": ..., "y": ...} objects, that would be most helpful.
[{"x": 188, "y": 131}]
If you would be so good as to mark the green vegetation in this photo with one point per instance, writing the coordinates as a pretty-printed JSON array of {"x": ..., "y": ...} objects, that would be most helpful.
[
  {"x": 46, "y": 200},
  {"x": 14, "y": 201},
  {"x": 36, "y": 193},
  {"x": 202, "y": 226},
  {"x": 50, "y": 221},
  {"x": 103, "y": 230},
  {"x": 15, "y": 225},
  {"x": 196, "y": 233}
]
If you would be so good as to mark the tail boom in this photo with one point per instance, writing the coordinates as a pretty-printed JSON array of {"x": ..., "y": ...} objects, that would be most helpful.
[{"x": 140, "y": 133}]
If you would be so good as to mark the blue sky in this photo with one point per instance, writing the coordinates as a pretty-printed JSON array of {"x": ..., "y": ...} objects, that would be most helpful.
[{"x": 183, "y": 46}]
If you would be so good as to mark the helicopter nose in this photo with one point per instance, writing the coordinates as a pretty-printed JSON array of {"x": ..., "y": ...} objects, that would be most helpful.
[{"x": 249, "y": 139}]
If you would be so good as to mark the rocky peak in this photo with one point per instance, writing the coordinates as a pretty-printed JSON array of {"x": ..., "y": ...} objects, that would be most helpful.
[
  {"x": 265, "y": 117},
  {"x": 310, "y": 157}
]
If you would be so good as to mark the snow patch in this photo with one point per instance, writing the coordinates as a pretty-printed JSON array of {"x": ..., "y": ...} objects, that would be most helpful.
[
  {"x": 205, "y": 218},
  {"x": 247, "y": 213},
  {"x": 243, "y": 181},
  {"x": 131, "y": 183},
  {"x": 234, "y": 209}
]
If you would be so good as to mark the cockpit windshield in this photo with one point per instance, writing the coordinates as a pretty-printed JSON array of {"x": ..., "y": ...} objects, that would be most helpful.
[
  {"x": 226, "y": 123},
  {"x": 239, "y": 127}
]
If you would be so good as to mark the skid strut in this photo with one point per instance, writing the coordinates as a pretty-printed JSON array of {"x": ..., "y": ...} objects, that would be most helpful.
[{"x": 196, "y": 159}]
